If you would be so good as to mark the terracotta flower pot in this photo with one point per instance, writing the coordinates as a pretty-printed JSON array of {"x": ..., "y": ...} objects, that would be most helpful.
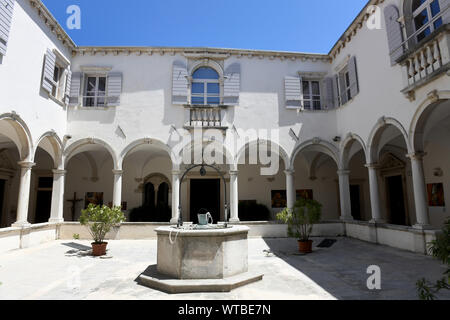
[
  {"x": 305, "y": 246},
  {"x": 99, "y": 249}
]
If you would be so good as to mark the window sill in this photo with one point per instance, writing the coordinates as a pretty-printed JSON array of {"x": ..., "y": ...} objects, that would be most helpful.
[
  {"x": 207, "y": 106},
  {"x": 56, "y": 100},
  {"x": 93, "y": 108}
]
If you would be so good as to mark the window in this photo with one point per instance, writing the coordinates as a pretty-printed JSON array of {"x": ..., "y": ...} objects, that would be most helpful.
[
  {"x": 205, "y": 87},
  {"x": 95, "y": 91},
  {"x": 58, "y": 81},
  {"x": 426, "y": 17},
  {"x": 348, "y": 85},
  {"x": 311, "y": 95}
]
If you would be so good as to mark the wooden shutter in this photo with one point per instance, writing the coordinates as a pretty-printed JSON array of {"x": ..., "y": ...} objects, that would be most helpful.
[
  {"x": 68, "y": 85},
  {"x": 329, "y": 93},
  {"x": 353, "y": 75},
  {"x": 232, "y": 84},
  {"x": 293, "y": 91},
  {"x": 114, "y": 88},
  {"x": 75, "y": 86},
  {"x": 336, "y": 91},
  {"x": 6, "y": 12},
  {"x": 445, "y": 4},
  {"x": 394, "y": 33},
  {"x": 180, "y": 85},
  {"x": 49, "y": 71}
]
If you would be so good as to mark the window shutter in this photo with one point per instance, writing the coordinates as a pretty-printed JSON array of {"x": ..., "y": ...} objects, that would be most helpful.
[
  {"x": 114, "y": 88},
  {"x": 68, "y": 84},
  {"x": 180, "y": 84},
  {"x": 6, "y": 11},
  {"x": 329, "y": 91},
  {"x": 336, "y": 91},
  {"x": 49, "y": 71},
  {"x": 353, "y": 75},
  {"x": 232, "y": 84},
  {"x": 75, "y": 85},
  {"x": 342, "y": 89},
  {"x": 293, "y": 91},
  {"x": 394, "y": 32}
]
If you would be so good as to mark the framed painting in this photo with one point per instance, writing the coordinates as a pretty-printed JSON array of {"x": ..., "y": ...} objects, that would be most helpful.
[
  {"x": 305, "y": 194},
  {"x": 279, "y": 199},
  {"x": 95, "y": 198},
  {"x": 436, "y": 195}
]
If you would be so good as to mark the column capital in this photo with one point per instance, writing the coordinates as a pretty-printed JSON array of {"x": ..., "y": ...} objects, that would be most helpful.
[
  {"x": 289, "y": 172},
  {"x": 117, "y": 172},
  {"x": 26, "y": 164},
  {"x": 416, "y": 155},
  {"x": 372, "y": 166},
  {"x": 233, "y": 172},
  {"x": 59, "y": 172},
  {"x": 343, "y": 172}
]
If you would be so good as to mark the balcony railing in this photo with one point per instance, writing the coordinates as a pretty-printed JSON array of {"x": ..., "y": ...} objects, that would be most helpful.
[
  {"x": 205, "y": 117},
  {"x": 427, "y": 60}
]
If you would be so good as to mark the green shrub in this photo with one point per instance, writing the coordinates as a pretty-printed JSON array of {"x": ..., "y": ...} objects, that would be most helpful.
[
  {"x": 301, "y": 218},
  {"x": 100, "y": 220}
]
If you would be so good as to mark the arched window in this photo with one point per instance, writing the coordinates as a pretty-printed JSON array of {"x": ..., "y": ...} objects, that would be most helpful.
[
  {"x": 426, "y": 15},
  {"x": 205, "y": 87}
]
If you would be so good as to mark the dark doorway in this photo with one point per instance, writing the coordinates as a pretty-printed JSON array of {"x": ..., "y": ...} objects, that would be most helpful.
[
  {"x": 2, "y": 198},
  {"x": 43, "y": 200},
  {"x": 205, "y": 194},
  {"x": 355, "y": 197},
  {"x": 396, "y": 200}
]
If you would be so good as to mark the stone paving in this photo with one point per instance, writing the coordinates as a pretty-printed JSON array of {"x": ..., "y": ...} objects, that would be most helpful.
[{"x": 65, "y": 270}]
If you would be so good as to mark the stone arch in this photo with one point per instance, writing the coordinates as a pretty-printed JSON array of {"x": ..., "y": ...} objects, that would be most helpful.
[
  {"x": 346, "y": 146},
  {"x": 375, "y": 135},
  {"x": 147, "y": 141},
  {"x": 281, "y": 151},
  {"x": 52, "y": 144},
  {"x": 71, "y": 150},
  {"x": 423, "y": 114},
  {"x": 318, "y": 145},
  {"x": 191, "y": 145},
  {"x": 18, "y": 131},
  {"x": 157, "y": 179},
  {"x": 209, "y": 64}
]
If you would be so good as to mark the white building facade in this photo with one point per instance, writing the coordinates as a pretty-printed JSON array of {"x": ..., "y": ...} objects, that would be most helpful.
[{"x": 364, "y": 130}]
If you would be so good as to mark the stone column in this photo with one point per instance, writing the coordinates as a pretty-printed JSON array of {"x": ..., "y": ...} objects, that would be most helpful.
[
  {"x": 57, "y": 211},
  {"x": 420, "y": 193},
  {"x": 117, "y": 191},
  {"x": 234, "y": 197},
  {"x": 290, "y": 188},
  {"x": 24, "y": 194},
  {"x": 374, "y": 193},
  {"x": 344, "y": 193},
  {"x": 175, "y": 196}
]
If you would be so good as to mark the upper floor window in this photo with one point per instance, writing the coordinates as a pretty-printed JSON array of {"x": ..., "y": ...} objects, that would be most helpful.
[
  {"x": 311, "y": 95},
  {"x": 58, "y": 82},
  {"x": 205, "y": 87},
  {"x": 94, "y": 91},
  {"x": 426, "y": 17}
]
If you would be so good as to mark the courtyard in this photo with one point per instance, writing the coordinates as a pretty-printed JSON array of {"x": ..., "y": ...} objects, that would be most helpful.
[{"x": 65, "y": 270}]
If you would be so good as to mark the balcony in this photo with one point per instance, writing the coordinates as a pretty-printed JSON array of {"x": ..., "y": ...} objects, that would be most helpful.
[
  {"x": 426, "y": 61},
  {"x": 205, "y": 116}
]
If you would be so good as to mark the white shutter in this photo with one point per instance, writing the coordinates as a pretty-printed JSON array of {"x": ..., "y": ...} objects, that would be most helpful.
[
  {"x": 293, "y": 91},
  {"x": 342, "y": 89},
  {"x": 75, "y": 86},
  {"x": 353, "y": 75},
  {"x": 68, "y": 85},
  {"x": 329, "y": 93},
  {"x": 336, "y": 91},
  {"x": 394, "y": 33},
  {"x": 49, "y": 71},
  {"x": 180, "y": 85},
  {"x": 232, "y": 84},
  {"x": 445, "y": 6},
  {"x": 6, "y": 12},
  {"x": 114, "y": 88}
]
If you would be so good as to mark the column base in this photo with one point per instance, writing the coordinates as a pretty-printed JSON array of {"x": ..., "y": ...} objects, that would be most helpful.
[
  {"x": 174, "y": 221},
  {"x": 420, "y": 226},
  {"x": 377, "y": 221},
  {"x": 56, "y": 221},
  {"x": 346, "y": 218},
  {"x": 21, "y": 224},
  {"x": 234, "y": 220}
]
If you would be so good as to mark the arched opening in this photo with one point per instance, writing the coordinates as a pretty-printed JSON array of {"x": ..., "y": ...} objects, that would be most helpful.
[
  {"x": 147, "y": 188},
  {"x": 388, "y": 150},
  {"x": 262, "y": 189},
  {"x": 353, "y": 159},
  {"x": 205, "y": 87},
  {"x": 89, "y": 178},
  {"x": 430, "y": 136},
  {"x": 316, "y": 177}
]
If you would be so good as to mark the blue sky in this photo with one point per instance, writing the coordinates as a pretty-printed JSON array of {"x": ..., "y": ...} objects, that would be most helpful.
[{"x": 282, "y": 25}]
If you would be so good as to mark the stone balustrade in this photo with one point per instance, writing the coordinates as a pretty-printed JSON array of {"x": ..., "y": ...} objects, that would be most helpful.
[{"x": 204, "y": 117}]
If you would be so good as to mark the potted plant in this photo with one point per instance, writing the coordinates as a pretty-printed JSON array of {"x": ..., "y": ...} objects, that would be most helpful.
[
  {"x": 300, "y": 221},
  {"x": 100, "y": 220}
]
